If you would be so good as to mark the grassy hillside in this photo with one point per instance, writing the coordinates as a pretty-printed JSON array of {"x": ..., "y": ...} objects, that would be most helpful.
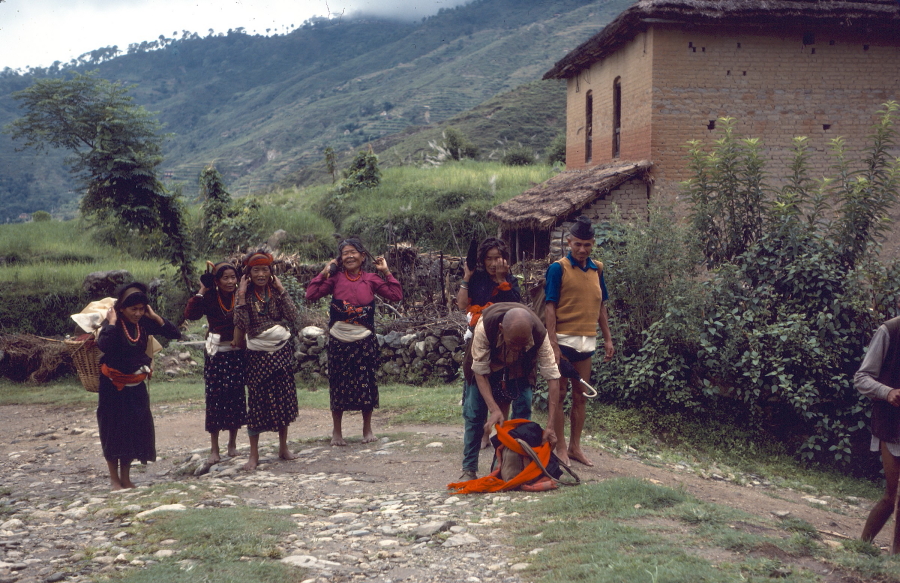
[{"x": 264, "y": 108}]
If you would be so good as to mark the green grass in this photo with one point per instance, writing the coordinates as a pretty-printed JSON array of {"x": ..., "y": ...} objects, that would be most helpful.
[
  {"x": 227, "y": 545},
  {"x": 67, "y": 391},
  {"x": 711, "y": 443},
  {"x": 625, "y": 529}
]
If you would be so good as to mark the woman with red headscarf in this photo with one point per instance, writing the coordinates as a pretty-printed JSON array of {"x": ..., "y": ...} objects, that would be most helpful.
[
  {"x": 123, "y": 407},
  {"x": 352, "y": 350},
  {"x": 262, "y": 309},
  {"x": 224, "y": 369}
]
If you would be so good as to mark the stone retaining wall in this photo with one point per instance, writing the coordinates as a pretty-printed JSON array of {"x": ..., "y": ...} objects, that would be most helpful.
[{"x": 413, "y": 356}]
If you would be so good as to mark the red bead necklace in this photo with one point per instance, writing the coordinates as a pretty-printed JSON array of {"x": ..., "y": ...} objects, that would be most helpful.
[
  {"x": 221, "y": 305},
  {"x": 137, "y": 336},
  {"x": 358, "y": 275}
]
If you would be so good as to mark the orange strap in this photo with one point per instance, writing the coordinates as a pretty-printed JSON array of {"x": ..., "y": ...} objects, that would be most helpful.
[
  {"x": 502, "y": 287},
  {"x": 475, "y": 313},
  {"x": 492, "y": 482},
  {"x": 120, "y": 379}
]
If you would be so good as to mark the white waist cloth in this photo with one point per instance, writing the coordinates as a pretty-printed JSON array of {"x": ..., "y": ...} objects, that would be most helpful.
[
  {"x": 214, "y": 344},
  {"x": 270, "y": 340},
  {"x": 143, "y": 370},
  {"x": 875, "y": 445},
  {"x": 579, "y": 343},
  {"x": 347, "y": 332}
]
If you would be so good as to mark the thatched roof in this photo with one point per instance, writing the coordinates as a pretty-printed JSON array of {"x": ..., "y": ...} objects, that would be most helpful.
[
  {"x": 863, "y": 15},
  {"x": 542, "y": 206}
]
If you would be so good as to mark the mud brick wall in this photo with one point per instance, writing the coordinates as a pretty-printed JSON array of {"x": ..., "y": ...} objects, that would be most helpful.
[{"x": 777, "y": 83}]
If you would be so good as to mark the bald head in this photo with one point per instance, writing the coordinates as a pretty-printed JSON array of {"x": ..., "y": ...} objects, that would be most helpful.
[{"x": 516, "y": 327}]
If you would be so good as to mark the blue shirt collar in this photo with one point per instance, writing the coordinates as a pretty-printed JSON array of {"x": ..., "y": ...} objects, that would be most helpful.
[{"x": 589, "y": 264}]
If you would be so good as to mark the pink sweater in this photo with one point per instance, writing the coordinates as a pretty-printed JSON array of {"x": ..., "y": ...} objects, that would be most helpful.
[{"x": 359, "y": 293}]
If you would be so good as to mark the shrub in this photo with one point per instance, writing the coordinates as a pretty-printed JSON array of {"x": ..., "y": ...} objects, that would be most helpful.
[
  {"x": 518, "y": 156},
  {"x": 41, "y": 216},
  {"x": 780, "y": 321},
  {"x": 556, "y": 151}
]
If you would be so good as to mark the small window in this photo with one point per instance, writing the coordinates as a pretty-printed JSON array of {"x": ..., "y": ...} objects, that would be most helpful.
[
  {"x": 617, "y": 117},
  {"x": 588, "y": 127},
  {"x": 865, "y": 47},
  {"x": 739, "y": 45},
  {"x": 826, "y": 126},
  {"x": 712, "y": 125},
  {"x": 809, "y": 38}
]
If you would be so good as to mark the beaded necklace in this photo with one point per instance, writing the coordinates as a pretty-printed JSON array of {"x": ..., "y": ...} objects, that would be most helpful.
[
  {"x": 358, "y": 275},
  {"x": 137, "y": 336},
  {"x": 262, "y": 307},
  {"x": 225, "y": 311}
]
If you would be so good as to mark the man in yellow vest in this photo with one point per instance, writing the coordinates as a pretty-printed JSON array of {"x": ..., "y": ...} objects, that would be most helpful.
[{"x": 575, "y": 295}]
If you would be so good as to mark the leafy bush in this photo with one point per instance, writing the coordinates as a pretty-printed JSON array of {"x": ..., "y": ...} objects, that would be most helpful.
[
  {"x": 226, "y": 224},
  {"x": 41, "y": 216},
  {"x": 780, "y": 321},
  {"x": 518, "y": 156},
  {"x": 556, "y": 151}
]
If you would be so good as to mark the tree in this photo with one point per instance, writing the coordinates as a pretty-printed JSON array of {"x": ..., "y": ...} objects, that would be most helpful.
[
  {"x": 331, "y": 163},
  {"x": 116, "y": 150},
  {"x": 225, "y": 224}
]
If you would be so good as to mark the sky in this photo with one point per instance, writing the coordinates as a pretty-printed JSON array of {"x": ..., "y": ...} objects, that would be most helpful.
[{"x": 38, "y": 32}]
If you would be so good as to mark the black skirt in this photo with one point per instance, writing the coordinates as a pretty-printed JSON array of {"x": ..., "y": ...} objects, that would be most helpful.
[
  {"x": 226, "y": 400},
  {"x": 351, "y": 374},
  {"x": 271, "y": 392},
  {"x": 125, "y": 422}
]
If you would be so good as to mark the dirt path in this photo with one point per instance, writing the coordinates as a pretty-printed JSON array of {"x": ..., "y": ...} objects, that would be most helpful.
[
  {"x": 56, "y": 452},
  {"x": 64, "y": 440}
]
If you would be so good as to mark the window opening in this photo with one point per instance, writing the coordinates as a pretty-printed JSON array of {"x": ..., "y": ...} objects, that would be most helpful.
[
  {"x": 617, "y": 117},
  {"x": 588, "y": 126},
  {"x": 711, "y": 125}
]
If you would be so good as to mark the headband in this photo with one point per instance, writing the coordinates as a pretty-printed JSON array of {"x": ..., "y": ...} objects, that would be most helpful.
[
  {"x": 220, "y": 268},
  {"x": 259, "y": 258},
  {"x": 133, "y": 296}
]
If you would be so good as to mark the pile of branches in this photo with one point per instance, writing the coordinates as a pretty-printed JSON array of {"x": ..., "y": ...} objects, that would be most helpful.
[{"x": 24, "y": 357}]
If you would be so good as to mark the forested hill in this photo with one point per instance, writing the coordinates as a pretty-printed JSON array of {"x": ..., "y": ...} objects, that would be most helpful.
[{"x": 262, "y": 108}]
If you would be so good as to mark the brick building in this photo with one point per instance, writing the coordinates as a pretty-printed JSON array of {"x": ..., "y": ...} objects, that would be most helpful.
[{"x": 664, "y": 71}]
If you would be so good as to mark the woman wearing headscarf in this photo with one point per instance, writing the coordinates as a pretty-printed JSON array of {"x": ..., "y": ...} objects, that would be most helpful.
[
  {"x": 262, "y": 310},
  {"x": 352, "y": 349},
  {"x": 490, "y": 283},
  {"x": 123, "y": 408},
  {"x": 224, "y": 369}
]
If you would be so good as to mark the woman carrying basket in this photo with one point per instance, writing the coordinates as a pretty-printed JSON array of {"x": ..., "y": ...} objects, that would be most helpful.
[
  {"x": 123, "y": 409},
  {"x": 224, "y": 369}
]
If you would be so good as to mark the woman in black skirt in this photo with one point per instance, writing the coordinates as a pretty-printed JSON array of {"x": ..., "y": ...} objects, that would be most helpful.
[
  {"x": 352, "y": 350},
  {"x": 123, "y": 409},
  {"x": 224, "y": 369}
]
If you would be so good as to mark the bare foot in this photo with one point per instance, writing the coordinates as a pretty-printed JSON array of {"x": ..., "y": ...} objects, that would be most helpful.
[
  {"x": 338, "y": 440},
  {"x": 251, "y": 464},
  {"x": 128, "y": 484},
  {"x": 287, "y": 455},
  {"x": 563, "y": 457},
  {"x": 232, "y": 452},
  {"x": 369, "y": 438},
  {"x": 213, "y": 459},
  {"x": 578, "y": 456},
  {"x": 115, "y": 486}
]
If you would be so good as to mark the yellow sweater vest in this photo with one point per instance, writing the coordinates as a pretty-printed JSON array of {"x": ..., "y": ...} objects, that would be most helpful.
[{"x": 580, "y": 298}]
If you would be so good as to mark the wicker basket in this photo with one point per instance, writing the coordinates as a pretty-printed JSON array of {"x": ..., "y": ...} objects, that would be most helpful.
[{"x": 86, "y": 358}]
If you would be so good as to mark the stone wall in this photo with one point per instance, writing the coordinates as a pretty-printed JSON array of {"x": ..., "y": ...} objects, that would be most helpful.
[{"x": 413, "y": 356}]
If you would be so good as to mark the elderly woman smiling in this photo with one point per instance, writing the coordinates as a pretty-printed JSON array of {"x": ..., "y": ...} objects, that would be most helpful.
[{"x": 352, "y": 350}]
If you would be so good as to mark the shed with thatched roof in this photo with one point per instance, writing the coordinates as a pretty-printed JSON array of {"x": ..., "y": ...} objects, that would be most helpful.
[
  {"x": 535, "y": 221},
  {"x": 664, "y": 72}
]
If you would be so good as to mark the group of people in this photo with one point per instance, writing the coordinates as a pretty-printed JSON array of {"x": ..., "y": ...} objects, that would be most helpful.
[
  {"x": 249, "y": 371},
  {"x": 508, "y": 342},
  {"x": 249, "y": 317}
]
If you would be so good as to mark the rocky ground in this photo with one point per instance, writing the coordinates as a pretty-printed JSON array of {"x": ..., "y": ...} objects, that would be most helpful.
[{"x": 368, "y": 512}]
